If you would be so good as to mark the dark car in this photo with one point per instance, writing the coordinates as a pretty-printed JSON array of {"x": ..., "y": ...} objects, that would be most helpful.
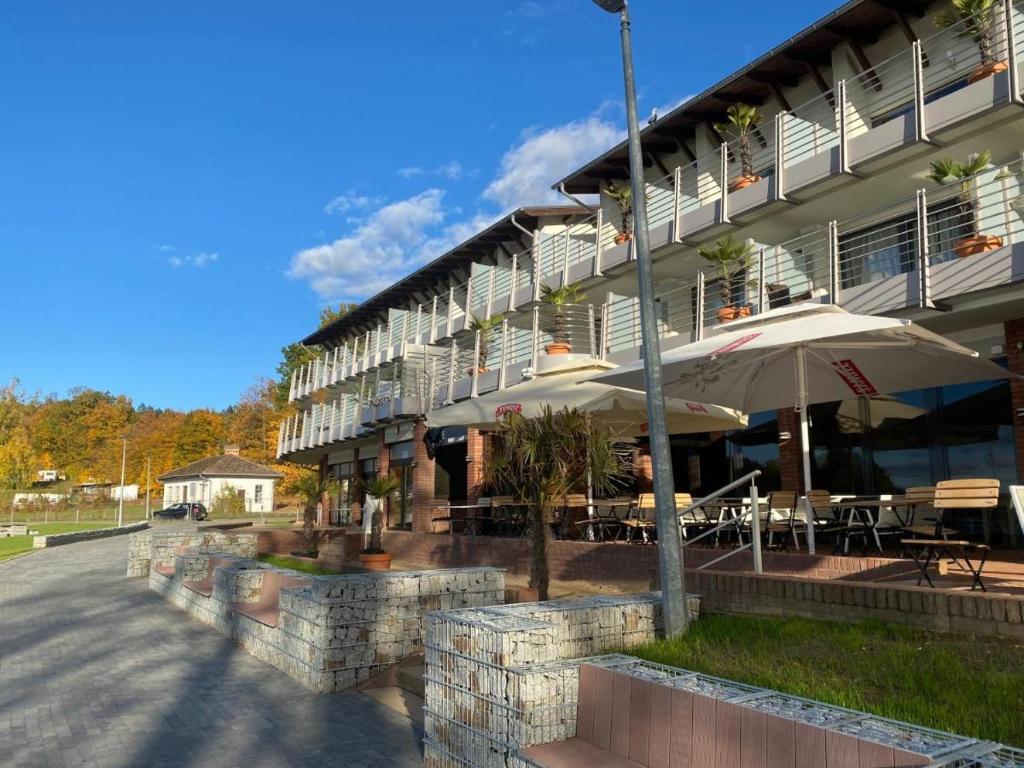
[{"x": 192, "y": 509}]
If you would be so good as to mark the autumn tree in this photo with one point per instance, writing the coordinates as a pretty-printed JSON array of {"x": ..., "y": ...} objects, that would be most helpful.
[
  {"x": 17, "y": 464},
  {"x": 296, "y": 355},
  {"x": 201, "y": 434}
]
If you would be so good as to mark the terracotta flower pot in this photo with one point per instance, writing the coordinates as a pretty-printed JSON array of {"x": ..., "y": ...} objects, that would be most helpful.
[
  {"x": 986, "y": 70},
  {"x": 741, "y": 182},
  {"x": 558, "y": 348},
  {"x": 727, "y": 314},
  {"x": 969, "y": 246},
  {"x": 623, "y": 237},
  {"x": 381, "y": 562},
  {"x": 469, "y": 371}
]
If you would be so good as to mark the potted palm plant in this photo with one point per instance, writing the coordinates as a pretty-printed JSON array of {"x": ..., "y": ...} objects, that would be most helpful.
[
  {"x": 946, "y": 171},
  {"x": 311, "y": 488},
  {"x": 544, "y": 458},
  {"x": 733, "y": 260},
  {"x": 560, "y": 299},
  {"x": 378, "y": 489},
  {"x": 486, "y": 328},
  {"x": 742, "y": 119},
  {"x": 622, "y": 195},
  {"x": 976, "y": 20}
]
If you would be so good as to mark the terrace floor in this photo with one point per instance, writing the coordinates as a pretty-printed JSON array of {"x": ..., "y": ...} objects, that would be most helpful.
[{"x": 97, "y": 670}]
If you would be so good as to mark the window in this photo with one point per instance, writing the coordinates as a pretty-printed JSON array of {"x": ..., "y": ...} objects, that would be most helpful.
[{"x": 257, "y": 493}]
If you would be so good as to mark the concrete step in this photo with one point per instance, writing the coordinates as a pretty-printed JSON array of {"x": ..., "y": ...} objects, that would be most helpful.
[{"x": 410, "y": 675}]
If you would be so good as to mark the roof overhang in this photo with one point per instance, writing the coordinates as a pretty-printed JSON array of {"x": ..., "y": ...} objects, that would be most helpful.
[{"x": 861, "y": 21}]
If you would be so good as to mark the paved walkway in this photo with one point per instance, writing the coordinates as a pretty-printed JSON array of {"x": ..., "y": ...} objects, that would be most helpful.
[{"x": 96, "y": 670}]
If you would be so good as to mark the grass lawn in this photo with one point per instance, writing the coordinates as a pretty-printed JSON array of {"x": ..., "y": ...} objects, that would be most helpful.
[
  {"x": 15, "y": 545},
  {"x": 964, "y": 685},
  {"x": 295, "y": 564}
]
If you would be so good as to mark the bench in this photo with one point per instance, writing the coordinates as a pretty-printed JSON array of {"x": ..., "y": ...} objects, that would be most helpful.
[
  {"x": 625, "y": 721},
  {"x": 265, "y": 610},
  {"x": 933, "y": 550},
  {"x": 204, "y": 586}
]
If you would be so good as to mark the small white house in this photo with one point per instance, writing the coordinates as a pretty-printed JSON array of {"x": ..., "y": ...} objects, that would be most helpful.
[{"x": 205, "y": 480}]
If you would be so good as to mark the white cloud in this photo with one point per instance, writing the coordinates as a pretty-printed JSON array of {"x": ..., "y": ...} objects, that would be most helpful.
[
  {"x": 450, "y": 170},
  {"x": 166, "y": 248},
  {"x": 350, "y": 201},
  {"x": 198, "y": 260},
  {"x": 544, "y": 156},
  {"x": 410, "y": 171},
  {"x": 392, "y": 241}
]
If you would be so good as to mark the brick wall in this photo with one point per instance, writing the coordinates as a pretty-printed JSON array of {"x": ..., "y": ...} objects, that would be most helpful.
[
  {"x": 422, "y": 481},
  {"x": 791, "y": 471},
  {"x": 980, "y": 613},
  {"x": 475, "y": 453},
  {"x": 1014, "y": 330},
  {"x": 383, "y": 468}
]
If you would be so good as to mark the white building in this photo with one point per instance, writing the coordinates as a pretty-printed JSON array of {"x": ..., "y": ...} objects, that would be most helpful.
[{"x": 205, "y": 480}]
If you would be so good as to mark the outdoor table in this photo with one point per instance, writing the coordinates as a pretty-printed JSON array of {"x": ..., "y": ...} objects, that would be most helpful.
[
  {"x": 472, "y": 524},
  {"x": 727, "y": 508},
  {"x": 598, "y": 523},
  {"x": 860, "y": 507}
]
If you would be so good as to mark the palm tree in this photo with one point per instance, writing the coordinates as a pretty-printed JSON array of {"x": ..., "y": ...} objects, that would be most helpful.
[
  {"x": 977, "y": 19},
  {"x": 560, "y": 298},
  {"x": 485, "y": 327},
  {"x": 541, "y": 460},
  {"x": 622, "y": 194},
  {"x": 734, "y": 260},
  {"x": 311, "y": 489},
  {"x": 945, "y": 171},
  {"x": 379, "y": 487},
  {"x": 742, "y": 119}
]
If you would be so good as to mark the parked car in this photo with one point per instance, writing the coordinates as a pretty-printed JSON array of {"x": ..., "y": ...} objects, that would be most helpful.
[{"x": 180, "y": 511}]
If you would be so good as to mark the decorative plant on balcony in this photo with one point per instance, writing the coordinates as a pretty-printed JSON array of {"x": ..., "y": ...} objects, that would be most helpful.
[
  {"x": 733, "y": 260},
  {"x": 312, "y": 489},
  {"x": 743, "y": 118},
  {"x": 486, "y": 327},
  {"x": 622, "y": 195},
  {"x": 945, "y": 172},
  {"x": 976, "y": 20},
  {"x": 543, "y": 459},
  {"x": 560, "y": 300},
  {"x": 378, "y": 490}
]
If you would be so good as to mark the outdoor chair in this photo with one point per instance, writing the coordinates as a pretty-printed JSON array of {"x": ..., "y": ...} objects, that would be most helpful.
[
  {"x": 640, "y": 520},
  {"x": 506, "y": 516},
  {"x": 921, "y": 517},
  {"x": 782, "y": 520},
  {"x": 265, "y": 609},
  {"x": 444, "y": 507},
  {"x": 204, "y": 586},
  {"x": 693, "y": 522},
  {"x": 575, "y": 512},
  {"x": 603, "y": 523}
]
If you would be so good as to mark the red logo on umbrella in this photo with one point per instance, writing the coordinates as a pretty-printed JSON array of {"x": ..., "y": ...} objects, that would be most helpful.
[
  {"x": 696, "y": 408},
  {"x": 734, "y": 344},
  {"x": 855, "y": 379},
  {"x": 507, "y": 408}
]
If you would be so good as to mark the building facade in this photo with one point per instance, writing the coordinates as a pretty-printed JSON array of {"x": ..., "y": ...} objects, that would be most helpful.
[
  {"x": 831, "y": 190},
  {"x": 214, "y": 477}
]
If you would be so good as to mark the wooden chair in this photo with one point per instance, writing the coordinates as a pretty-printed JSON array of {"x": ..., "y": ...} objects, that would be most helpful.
[
  {"x": 691, "y": 522},
  {"x": 782, "y": 519},
  {"x": 443, "y": 507},
  {"x": 921, "y": 516},
  {"x": 968, "y": 493},
  {"x": 504, "y": 517},
  {"x": 641, "y": 519}
]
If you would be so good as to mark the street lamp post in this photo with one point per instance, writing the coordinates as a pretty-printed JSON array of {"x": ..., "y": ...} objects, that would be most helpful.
[
  {"x": 120, "y": 495},
  {"x": 670, "y": 551}
]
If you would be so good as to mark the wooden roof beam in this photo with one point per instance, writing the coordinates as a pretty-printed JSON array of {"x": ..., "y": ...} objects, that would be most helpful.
[
  {"x": 865, "y": 64},
  {"x": 910, "y": 34}
]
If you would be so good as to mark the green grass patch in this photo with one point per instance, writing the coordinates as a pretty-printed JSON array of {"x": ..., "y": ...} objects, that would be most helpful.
[
  {"x": 964, "y": 685},
  {"x": 16, "y": 545},
  {"x": 281, "y": 561}
]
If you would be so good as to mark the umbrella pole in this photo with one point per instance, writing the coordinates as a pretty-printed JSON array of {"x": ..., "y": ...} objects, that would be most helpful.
[{"x": 805, "y": 441}]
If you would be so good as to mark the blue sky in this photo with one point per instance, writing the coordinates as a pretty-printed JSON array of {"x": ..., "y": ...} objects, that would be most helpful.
[{"x": 183, "y": 185}]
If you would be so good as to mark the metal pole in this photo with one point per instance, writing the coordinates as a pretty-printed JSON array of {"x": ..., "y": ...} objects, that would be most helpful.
[
  {"x": 805, "y": 441},
  {"x": 670, "y": 552},
  {"x": 147, "y": 487},
  {"x": 120, "y": 495},
  {"x": 755, "y": 526}
]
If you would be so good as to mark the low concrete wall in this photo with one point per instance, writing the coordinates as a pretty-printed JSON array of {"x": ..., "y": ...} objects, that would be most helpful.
[
  {"x": 57, "y": 539},
  {"x": 340, "y": 630},
  {"x": 159, "y": 547},
  {"x": 489, "y": 672},
  {"x": 981, "y": 613},
  {"x": 17, "y": 529}
]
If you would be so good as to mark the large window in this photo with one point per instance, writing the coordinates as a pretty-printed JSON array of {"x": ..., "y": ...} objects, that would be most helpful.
[{"x": 756, "y": 447}]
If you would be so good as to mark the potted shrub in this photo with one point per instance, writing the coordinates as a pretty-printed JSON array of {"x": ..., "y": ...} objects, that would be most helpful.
[
  {"x": 622, "y": 194},
  {"x": 378, "y": 489},
  {"x": 733, "y": 259},
  {"x": 977, "y": 21},
  {"x": 743, "y": 118},
  {"x": 560, "y": 299},
  {"x": 311, "y": 488},
  {"x": 486, "y": 329},
  {"x": 946, "y": 171}
]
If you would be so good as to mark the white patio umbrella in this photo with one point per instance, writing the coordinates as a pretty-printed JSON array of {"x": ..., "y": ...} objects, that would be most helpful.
[
  {"x": 809, "y": 353},
  {"x": 623, "y": 410}
]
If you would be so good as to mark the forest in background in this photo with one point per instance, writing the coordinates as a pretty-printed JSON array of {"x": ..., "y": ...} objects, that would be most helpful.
[{"x": 80, "y": 433}]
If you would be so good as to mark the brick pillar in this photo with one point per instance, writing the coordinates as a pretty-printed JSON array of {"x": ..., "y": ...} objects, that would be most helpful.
[
  {"x": 643, "y": 470},
  {"x": 383, "y": 468},
  {"x": 422, "y": 481},
  {"x": 324, "y": 518},
  {"x": 1014, "y": 330},
  {"x": 791, "y": 470},
  {"x": 476, "y": 446},
  {"x": 355, "y": 508}
]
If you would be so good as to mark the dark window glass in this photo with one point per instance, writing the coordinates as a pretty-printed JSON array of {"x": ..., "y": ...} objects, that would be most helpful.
[{"x": 756, "y": 447}]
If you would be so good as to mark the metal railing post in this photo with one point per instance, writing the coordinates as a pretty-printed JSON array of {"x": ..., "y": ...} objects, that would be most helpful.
[
  {"x": 677, "y": 204},
  {"x": 451, "y": 309},
  {"x": 432, "y": 336},
  {"x": 565, "y": 258},
  {"x": 490, "y": 292},
  {"x": 724, "y": 171},
  {"x": 762, "y": 291},
  {"x": 923, "y": 266},
  {"x": 535, "y": 353},
  {"x": 452, "y": 362},
  {"x": 833, "y": 262},
  {"x": 755, "y": 526},
  {"x": 920, "y": 118},
  {"x": 535, "y": 257},
  {"x": 598, "y": 247},
  {"x": 780, "y": 156},
  {"x": 475, "y": 366},
  {"x": 514, "y": 280},
  {"x": 604, "y": 327},
  {"x": 698, "y": 326},
  {"x": 503, "y": 360},
  {"x": 1013, "y": 79},
  {"x": 844, "y": 134},
  {"x": 592, "y": 336}
]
